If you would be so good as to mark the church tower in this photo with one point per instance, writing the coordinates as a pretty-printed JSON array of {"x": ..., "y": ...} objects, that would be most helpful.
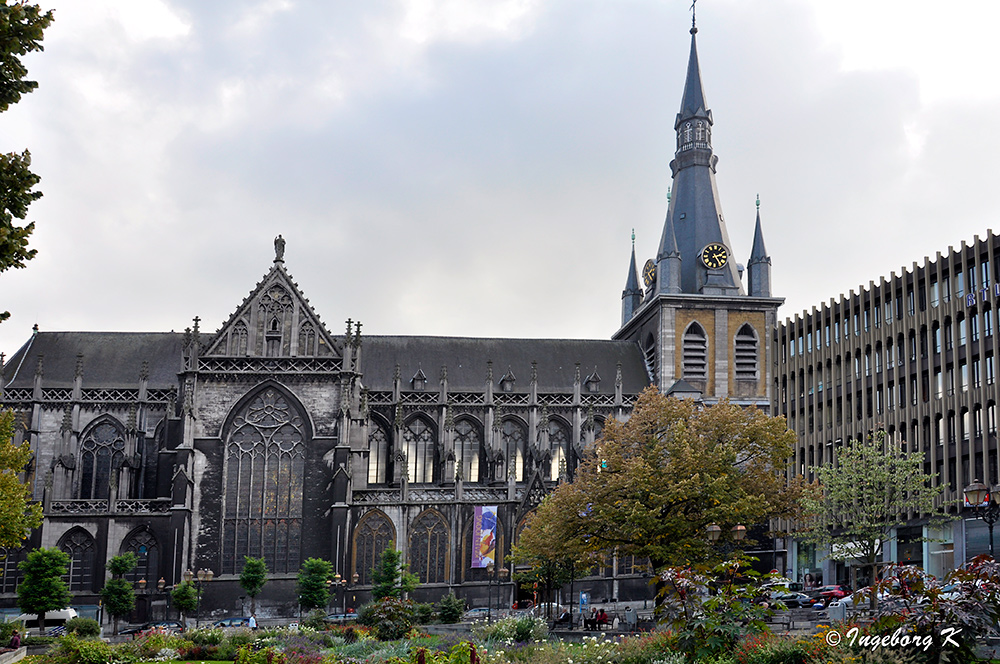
[{"x": 700, "y": 330}]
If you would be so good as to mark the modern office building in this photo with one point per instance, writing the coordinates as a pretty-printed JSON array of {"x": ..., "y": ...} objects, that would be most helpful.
[{"x": 913, "y": 354}]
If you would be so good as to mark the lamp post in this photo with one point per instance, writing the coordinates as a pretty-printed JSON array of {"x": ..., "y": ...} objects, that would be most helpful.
[
  {"x": 202, "y": 577},
  {"x": 489, "y": 591},
  {"x": 738, "y": 534},
  {"x": 976, "y": 494},
  {"x": 329, "y": 584},
  {"x": 342, "y": 582},
  {"x": 161, "y": 586}
]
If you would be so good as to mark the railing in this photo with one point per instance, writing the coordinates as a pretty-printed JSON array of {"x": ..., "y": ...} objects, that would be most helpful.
[{"x": 103, "y": 506}]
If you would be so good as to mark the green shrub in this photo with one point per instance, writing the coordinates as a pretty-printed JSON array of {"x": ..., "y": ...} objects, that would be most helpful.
[
  {"x": 264, "y": 656},
  {"x": 85, "y": 627},
  {"x": 423, "y": 614},
  {"x": 390, "y": 618},
  {"x": 450, "y": 609},
  {"x": 7, "y": 630},
  {"x": 315, "y": 619},
  {"x": 38, "y": 640},
  {"x": 70, "y": 649},
  {"x": 205, "y": 637},
  {"x": 517, "y": 629}
]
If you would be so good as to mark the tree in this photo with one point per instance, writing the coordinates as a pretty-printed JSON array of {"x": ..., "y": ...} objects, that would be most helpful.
[
  {"x": 18, "y": 517},
  {"x": 391, "y": 578},
  {"x": 21, "y": 30},
  {"x": 185, "y": 599},
  {"x": 118, "y": 594},
  {"x": 652, "y": 485},
  {"x": 859, "y": 502},
  {"x": 313, "y": 590},
  {"x": 252, "y": 579},
  {"x": 551, "y": 562},
  {"x": 43, "y": 588}
]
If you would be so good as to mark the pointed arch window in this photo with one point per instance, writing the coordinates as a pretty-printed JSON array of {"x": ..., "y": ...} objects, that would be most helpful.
[
  {"x": 143, "y": 544},
  {"x": 468, "y": 447},
  {"x": 418, "y": 441},
  {"x": 373, "y": 535},
  {"x": 695, "y": 358},
  {"x": 559, "y": 437},
  {"x": 102, "y": 453},
  {"x": 429, "y": 548},
  {"x": 10, "y": 570},
  {"x": 239, "y": 339},
  {"x": 746, "y": 353},
  {"x": 307, "y": 339},
  {"x": 265, "y": 467},
  {"x": 378, "y": 453},
  {"x": 512, "y": 437},
  {"x": 82, "y": 552}
]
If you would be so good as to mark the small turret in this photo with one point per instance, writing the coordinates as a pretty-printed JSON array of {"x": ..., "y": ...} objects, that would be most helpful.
[
  {"x": 632, "y": 295},
  {"x": 759, "y": 265}
]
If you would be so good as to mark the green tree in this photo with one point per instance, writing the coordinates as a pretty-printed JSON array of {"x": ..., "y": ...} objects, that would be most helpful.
[
  {"x": 21, "y": 31},
  {"x": 43, "y": 588},
  {"x": 858, "y": 503},
  {"x": 18, "y": 517},
  {"x": 252, "y": 579},
  {"x": 313, "y": 590},
  {"x": 185, "y": 599},
  {"x": 391, "y": 577},
  {"x": 551, "y": 562},
  {"x": 652, "y": 485},
  {"x": 118, "y": 594}
]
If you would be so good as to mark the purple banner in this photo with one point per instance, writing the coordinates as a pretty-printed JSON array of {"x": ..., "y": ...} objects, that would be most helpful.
[{"x": 484, "y": 536}]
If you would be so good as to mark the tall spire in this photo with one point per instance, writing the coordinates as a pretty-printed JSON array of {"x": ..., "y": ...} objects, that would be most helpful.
[
  {"x": 694, "y": 214},
  {"x": 632, "y": 295},
  {"x": 759, "y": 265}
]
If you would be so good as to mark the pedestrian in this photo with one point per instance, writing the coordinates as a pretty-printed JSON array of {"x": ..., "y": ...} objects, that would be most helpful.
[
  {"x": 253, "y": 621},
  {"x": 631, "y": 619},
  {"x": 15, "y": 641},
  {"x": 602, "y": 619}
]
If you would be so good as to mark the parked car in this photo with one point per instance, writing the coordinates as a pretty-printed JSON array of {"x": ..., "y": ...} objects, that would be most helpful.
[
  {"x": 230, "y": 623},
  {"x": 341, "y": 618},
  {"x": 791, "y": 600},
  {"x": 478, "y": 613},
  {"x": 52, "y": 618},
  {"x": 167, "y": 626},
  {"x": 833, "y": 592}
]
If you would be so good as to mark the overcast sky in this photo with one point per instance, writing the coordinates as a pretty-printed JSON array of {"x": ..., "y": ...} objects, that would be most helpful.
[{"x": 475, "y": 167}]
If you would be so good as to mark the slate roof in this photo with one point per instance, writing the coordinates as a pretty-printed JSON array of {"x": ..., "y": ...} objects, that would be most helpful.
[
  {"x": 466, "y": 361},
  {"x": 110, "y": 359}
]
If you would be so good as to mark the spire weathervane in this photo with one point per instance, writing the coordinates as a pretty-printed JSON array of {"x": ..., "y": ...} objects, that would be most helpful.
[
  {"x": 694, "y": 28},
  {"x": 633, "y": 239},
  {"x": 758, "y": 202}
]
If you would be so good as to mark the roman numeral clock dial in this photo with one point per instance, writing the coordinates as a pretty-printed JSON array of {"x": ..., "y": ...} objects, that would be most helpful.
[{"x": 715, "y": 255}]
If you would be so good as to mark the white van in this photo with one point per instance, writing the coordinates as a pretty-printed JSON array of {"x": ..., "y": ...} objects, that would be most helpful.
[{"x": 52, "y": 618}]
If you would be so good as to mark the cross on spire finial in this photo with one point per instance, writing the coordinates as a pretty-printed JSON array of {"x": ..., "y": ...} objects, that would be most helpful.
[
  {"x": 633, "y": 238},
  {"x": 694, "y": 28},
  {"x": 758, "y": 202}
]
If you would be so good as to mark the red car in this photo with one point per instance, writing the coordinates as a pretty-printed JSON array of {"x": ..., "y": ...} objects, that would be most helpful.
[{"x": 833, "y": 592}]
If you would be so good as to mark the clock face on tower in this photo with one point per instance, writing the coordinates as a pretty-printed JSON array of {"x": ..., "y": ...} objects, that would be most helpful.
[
  {"x": 649, "y": 273},
  {"x": 714, "y": 255}
]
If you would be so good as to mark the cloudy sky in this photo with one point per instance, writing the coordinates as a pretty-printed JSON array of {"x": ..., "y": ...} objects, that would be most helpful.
[{"x": 475, "y": 167}]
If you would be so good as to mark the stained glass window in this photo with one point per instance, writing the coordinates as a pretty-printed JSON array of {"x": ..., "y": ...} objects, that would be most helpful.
[
  {"x": 468, "y": 442},
  {"x": 101, "y": 455},
  {"x": 558, "y": 442},
  {"x": 512, "y": 437},
  {"x": 418, "y": 440},
  {"x": 10, "y": 558},
  {"x": 373, "y": 535},
  {"x": 429, "y": 548},
  {"x": 378, "y": 453},
  {"x": 143, "y": 544},
  {"x": 265, "y": 458},
  {"x": 82, "y": 552}
]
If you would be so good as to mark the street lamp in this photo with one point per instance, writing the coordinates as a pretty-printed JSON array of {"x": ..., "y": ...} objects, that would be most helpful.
[
  {"x": 202, "y": 577},
  {"x": 976, "y": 494},
  {"x": 738, "y": 534},
  {"x": 161, "y": 586}
]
